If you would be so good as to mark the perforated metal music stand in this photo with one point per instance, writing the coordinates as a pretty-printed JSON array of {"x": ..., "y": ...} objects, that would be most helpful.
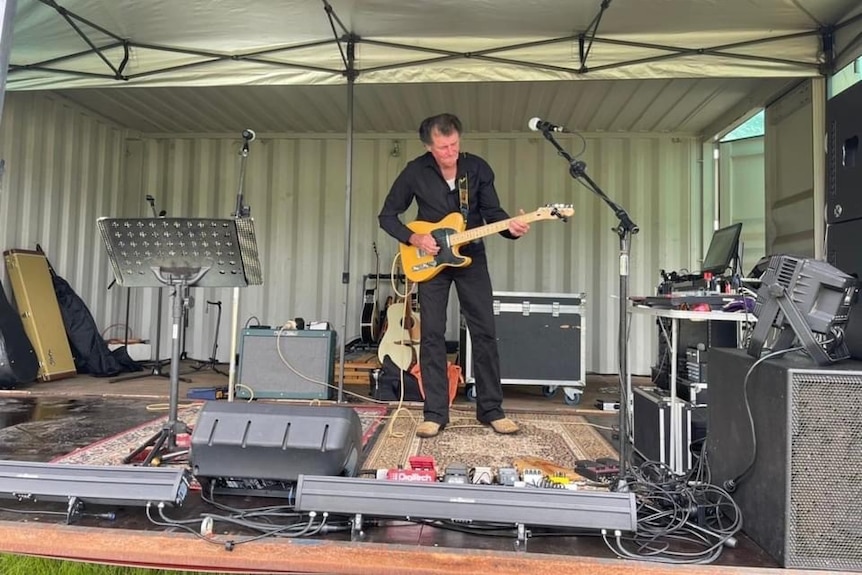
[{"x": 181, "y": 253}]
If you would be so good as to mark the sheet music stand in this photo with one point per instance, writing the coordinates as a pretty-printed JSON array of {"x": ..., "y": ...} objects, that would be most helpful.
[{"x": 180, "y": 253}]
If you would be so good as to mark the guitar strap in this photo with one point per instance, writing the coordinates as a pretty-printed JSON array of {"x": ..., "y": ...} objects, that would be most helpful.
[{"x": 464, "y": 195}]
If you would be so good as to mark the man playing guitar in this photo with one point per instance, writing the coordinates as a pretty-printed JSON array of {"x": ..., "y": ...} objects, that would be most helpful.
[{"x": 442, "y": 181}]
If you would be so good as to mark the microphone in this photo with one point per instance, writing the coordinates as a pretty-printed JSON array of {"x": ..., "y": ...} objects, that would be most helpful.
[
  {"x": 539, "y": 125},
  {"x": 248, "y": 134}
]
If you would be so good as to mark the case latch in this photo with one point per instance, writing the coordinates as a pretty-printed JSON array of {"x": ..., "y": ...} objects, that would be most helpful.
[
  {"x": 555, "y": 309},
  {"x": 525, "y": 307}
]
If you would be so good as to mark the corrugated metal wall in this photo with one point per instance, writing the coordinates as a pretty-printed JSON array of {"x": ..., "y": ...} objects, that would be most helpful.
[
  {"x": 61, "y": 169},
  {"x": 67, "y": 169}
]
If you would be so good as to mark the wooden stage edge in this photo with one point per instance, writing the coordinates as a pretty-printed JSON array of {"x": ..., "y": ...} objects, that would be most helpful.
[{"x": 182, "y": 551}]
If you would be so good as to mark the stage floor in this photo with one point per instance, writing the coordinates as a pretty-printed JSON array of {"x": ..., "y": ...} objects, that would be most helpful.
[{"x": 79, "y": 411}]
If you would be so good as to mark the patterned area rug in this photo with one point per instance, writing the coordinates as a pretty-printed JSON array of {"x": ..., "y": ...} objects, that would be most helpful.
[
  {"x": 559, "y": 438},
  {"x": 112, "y": 450}
]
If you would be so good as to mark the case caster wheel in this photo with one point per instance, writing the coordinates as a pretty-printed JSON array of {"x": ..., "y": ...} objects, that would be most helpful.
[
  {"x": 571, "y": 397},
  {"x": 549, "y": 390},
  {"x": 470, "y": 392}
]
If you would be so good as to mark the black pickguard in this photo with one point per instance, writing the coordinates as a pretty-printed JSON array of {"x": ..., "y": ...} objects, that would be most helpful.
[{"x": 446, "y": 255}]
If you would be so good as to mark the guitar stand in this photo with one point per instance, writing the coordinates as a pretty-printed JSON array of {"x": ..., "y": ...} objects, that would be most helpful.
[{"x": 212, "y": 363}]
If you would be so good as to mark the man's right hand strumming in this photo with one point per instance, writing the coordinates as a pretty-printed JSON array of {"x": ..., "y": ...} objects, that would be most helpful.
[{"x": 425, "y": 242}]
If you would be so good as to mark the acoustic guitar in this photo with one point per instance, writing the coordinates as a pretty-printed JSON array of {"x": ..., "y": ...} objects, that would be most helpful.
[
  {"x": 401, "y": 339},
  {"x": 450, "y": 233},
  {"x": 369, "y": 321}
]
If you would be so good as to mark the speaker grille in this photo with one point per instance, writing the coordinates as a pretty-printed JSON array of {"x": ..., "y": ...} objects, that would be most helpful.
[{"x": 825, "y": 523}]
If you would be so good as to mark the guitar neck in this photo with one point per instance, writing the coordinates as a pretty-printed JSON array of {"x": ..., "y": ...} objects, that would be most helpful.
[{"x": 475, "y": 233}]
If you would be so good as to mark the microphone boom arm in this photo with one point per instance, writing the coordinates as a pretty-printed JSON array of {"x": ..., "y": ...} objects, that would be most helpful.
[{"x": 578, "y": 170}]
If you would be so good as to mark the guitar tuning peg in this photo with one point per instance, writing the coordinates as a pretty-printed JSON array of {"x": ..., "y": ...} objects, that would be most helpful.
[{"x": 557, "y": 213}]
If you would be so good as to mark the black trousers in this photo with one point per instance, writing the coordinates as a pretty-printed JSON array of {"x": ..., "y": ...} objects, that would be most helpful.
[{"x": 473, "y": 285}]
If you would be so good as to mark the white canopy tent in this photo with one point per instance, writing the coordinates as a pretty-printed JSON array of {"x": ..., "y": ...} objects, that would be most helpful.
[
  {"x": 139, "y": 62},
  {"x": 89, "y": 43}
]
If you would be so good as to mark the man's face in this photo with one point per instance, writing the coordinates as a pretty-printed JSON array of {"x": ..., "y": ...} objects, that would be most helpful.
[{"x": 445, "y": 149}]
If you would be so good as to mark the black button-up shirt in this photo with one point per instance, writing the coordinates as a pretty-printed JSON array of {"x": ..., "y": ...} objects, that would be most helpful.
[{"x": 422, "y": 180}]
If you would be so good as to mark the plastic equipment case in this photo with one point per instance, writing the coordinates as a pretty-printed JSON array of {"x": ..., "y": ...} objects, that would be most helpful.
[{"x": 540, "y": 338}]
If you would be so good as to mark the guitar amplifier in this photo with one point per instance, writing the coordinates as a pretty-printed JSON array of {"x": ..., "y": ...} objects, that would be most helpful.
[{"x": 286, "y": 364}]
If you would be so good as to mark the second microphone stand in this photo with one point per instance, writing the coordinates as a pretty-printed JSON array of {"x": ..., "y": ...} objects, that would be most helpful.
[
  {"x": 240, "y": 211},
  {"x": 625, "y": 230}
]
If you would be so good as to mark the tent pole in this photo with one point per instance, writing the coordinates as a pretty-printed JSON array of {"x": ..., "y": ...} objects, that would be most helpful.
[{"x": 348, "y": 193}]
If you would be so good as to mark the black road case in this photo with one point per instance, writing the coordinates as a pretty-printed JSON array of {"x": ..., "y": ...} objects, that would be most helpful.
[{"x": 540, "y": 337}]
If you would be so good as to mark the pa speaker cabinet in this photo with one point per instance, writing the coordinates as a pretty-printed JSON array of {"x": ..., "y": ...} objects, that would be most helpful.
[
  {"x": 842, "y": 251},
  {"x": 843, "y": 155},
  {"x": 304, "y": 368},
  {"x": 271, "y": 441},
  {"x": 540, "y": 338},
  {"x": 800, "y": 500}
]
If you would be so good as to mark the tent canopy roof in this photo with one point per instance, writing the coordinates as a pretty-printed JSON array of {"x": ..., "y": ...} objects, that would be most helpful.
[
  {"x": 280, "y": 65},
  {"x": 201, "y": 42}
]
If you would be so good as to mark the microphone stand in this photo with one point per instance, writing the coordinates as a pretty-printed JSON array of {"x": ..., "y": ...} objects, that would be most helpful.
[
  {"x": 625, "y": 230},
  {"x": 240, "y": 211}
]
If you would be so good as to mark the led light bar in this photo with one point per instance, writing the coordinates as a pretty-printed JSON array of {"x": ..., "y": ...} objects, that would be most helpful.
[
  {"x": 481, "y": 503},
  {"x": 97, "y": 484}
]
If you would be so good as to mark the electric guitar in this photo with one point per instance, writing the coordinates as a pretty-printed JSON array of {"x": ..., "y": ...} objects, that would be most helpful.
[
  {"x": 369, "y": 323},
  {"x": 401, "y": 339},
  {"x": 450, "y": 233}
]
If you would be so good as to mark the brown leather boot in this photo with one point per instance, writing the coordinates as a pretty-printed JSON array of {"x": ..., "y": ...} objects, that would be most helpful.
[
  {"x": 504, "y": 426},
  {"x": 428, "y": 429}
]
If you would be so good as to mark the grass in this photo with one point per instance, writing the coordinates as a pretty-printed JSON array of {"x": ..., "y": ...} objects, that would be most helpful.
[{"x": 27, "y": 565}]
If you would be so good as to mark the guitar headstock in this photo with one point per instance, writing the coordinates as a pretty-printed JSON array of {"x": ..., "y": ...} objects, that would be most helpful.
[{"x": 561, "y": 211}]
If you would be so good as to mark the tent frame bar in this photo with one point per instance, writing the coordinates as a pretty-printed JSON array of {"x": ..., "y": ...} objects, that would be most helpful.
[{"x": 585, "y": 41}]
